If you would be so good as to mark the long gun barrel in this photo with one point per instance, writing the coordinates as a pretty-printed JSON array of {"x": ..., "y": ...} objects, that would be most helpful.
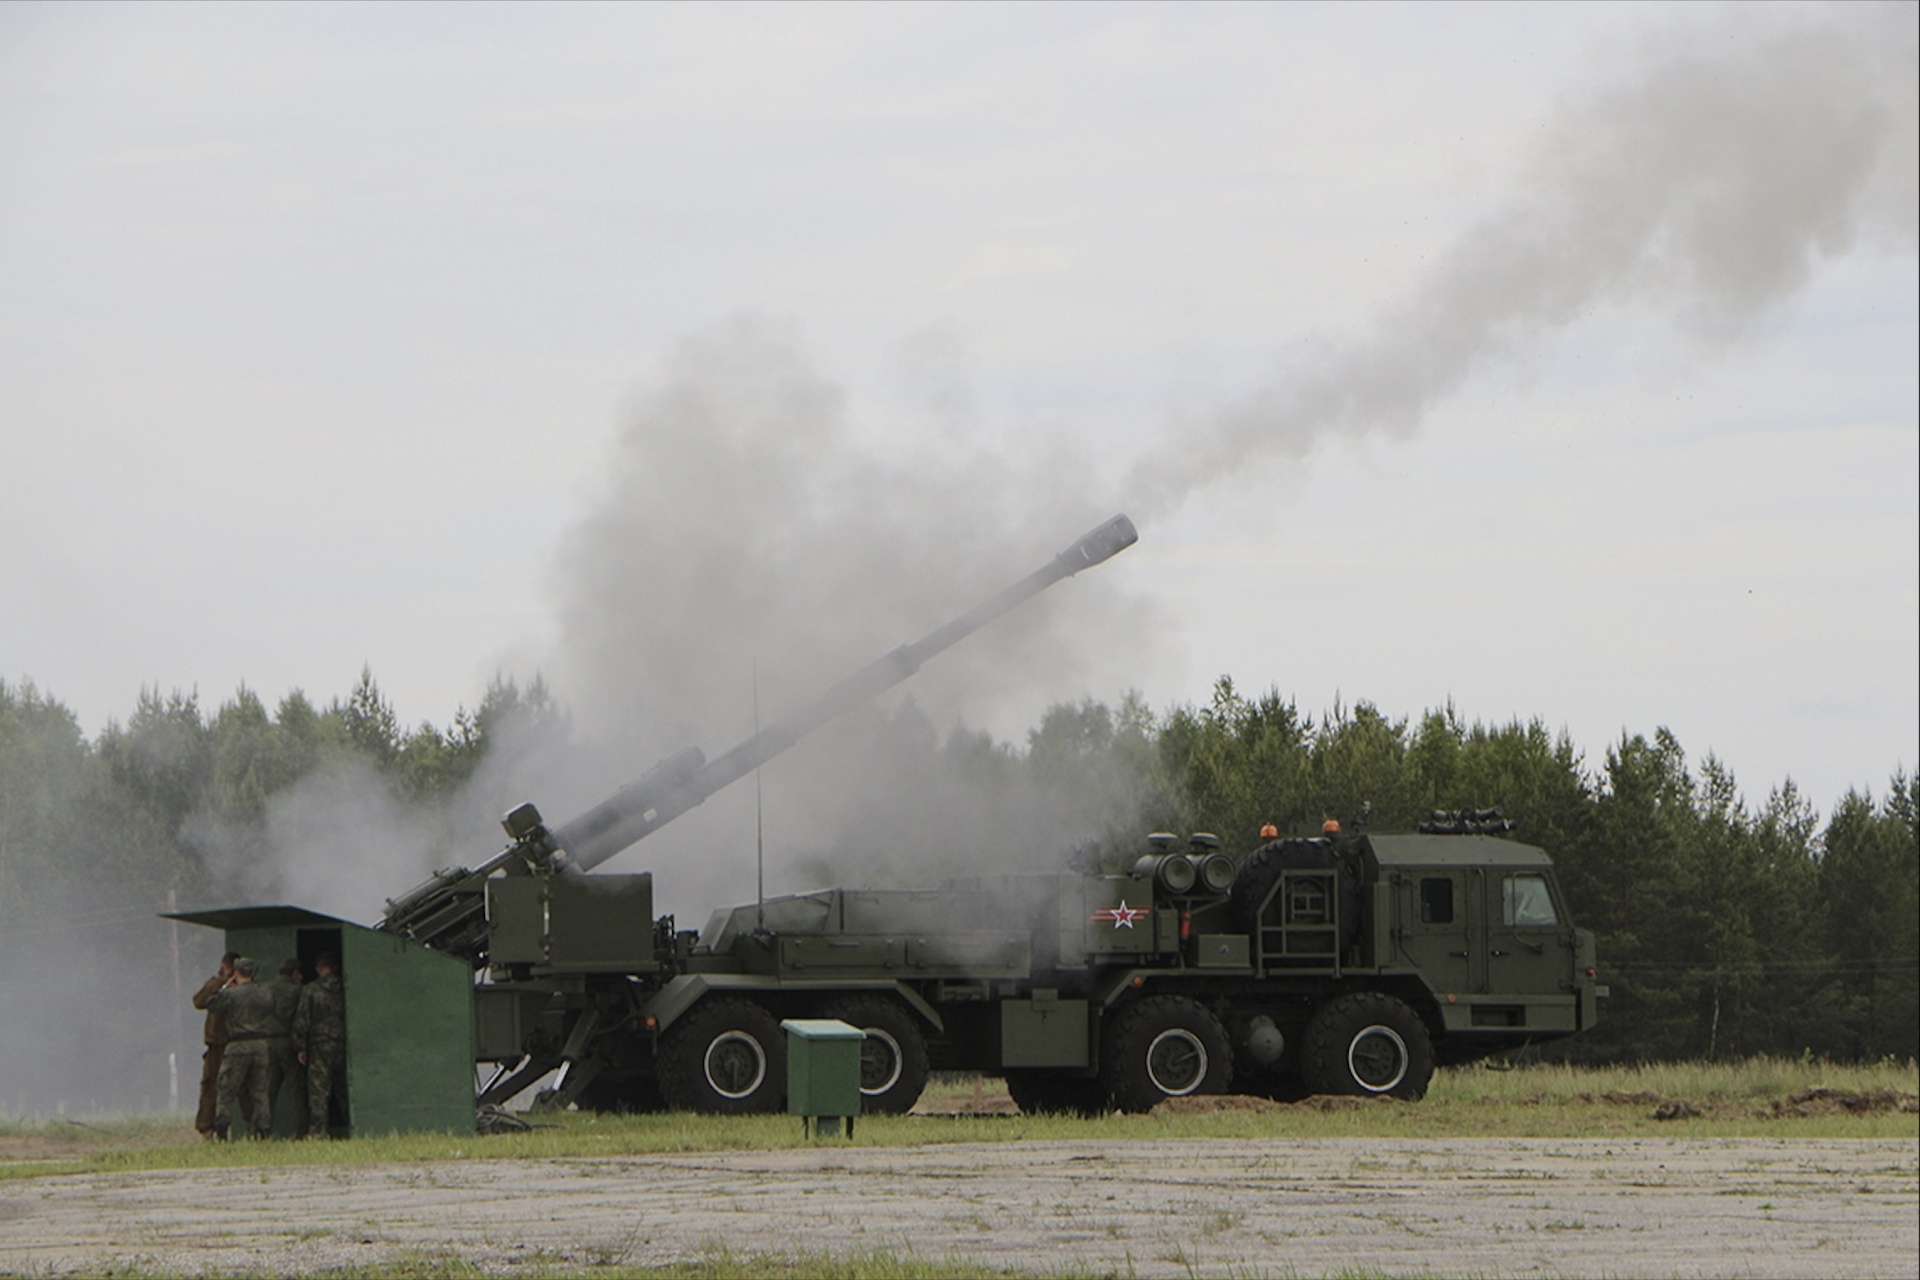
[
  {"x": 636, "y": 811},
  {"x": 444, "y": 912}
]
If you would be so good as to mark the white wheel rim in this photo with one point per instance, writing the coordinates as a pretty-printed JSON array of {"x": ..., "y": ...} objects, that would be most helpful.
[
  {"x": 1176, "y": 1062},
  {"x": 729, "y": 1051},
  {"x": 1377, "y": 1059},
  {"x": 892, "y": 1046}
]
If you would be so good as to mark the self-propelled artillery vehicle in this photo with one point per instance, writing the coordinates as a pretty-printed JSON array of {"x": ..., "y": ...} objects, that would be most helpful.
[{"x": 1341, "y": 963}]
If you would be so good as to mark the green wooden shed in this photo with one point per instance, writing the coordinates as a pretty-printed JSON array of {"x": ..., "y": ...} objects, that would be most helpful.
[{"x": 409, "y": 1015}]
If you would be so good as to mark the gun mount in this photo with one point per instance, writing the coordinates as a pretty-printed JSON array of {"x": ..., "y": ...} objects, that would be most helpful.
[{"x": 448, "y": 911}]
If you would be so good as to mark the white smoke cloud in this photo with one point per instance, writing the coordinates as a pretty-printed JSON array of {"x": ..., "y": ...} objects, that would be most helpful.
[
  {"x": 752, "y": 529},
  {"x": 751, "y": 546},
  {"x": 1749, "y": 150}
]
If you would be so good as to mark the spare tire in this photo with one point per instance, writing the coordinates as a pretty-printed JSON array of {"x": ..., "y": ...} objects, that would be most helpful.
[{"x": 1262, "y": 871}]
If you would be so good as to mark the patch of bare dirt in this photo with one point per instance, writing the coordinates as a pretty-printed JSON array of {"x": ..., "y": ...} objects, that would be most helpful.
[
  {"x": 1215, "y": 1104},
  {"x": 1822, "y": 1101},
  {"x": 1624, "y": 1098},
  {"x": 1809, "y": 1103},
  {"x": 80, "y": 1139},
  {"x": 39, "y": 1147}
]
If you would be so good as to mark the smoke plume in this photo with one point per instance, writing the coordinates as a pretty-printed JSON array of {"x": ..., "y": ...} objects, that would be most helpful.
[
  {"x": 749, "y": 548},
  {"x": 1750, "y": 150},
  {"x": 754, "y": 540}
]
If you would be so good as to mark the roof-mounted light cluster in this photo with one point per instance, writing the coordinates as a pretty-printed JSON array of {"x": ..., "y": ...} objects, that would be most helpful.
[{"x": 1466, "y": 822}]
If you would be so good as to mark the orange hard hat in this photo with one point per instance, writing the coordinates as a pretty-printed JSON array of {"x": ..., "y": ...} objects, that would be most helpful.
[
  {"x": 1269, "y": 832},
  {"x": 1331, "y": 827}
]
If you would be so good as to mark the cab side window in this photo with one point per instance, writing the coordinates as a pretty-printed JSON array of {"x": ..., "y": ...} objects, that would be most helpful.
[
  {"x": 1436, "y": 900},
  {"x": 1525, "y": 902}
]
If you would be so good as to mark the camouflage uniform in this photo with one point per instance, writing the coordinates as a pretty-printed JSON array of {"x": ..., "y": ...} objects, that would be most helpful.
[
  {"x": 320, "y": 1030},
  {"x": 285, "y": 1065},
  {"x": 215, "y": 1036},
  {"x": 246, "y": 1064}
]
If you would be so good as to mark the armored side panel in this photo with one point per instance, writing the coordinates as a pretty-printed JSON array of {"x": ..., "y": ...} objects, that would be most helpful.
[
  {"x": 1119, "y": 918},
  {"x": 503, "y": 1019},
  {"x": 1044, "y": 1031},
  {"x": 880, "y": 933},
  {"x": 573, "y": 924}
]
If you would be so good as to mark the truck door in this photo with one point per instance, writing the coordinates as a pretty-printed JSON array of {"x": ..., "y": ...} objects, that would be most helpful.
[
  {"x": 1437, "y": 906},
  {"x": 1529, "y": 950}
]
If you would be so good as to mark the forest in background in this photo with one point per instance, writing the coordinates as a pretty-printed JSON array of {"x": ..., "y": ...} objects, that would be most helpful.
[{"x": 1725, "y": 929}]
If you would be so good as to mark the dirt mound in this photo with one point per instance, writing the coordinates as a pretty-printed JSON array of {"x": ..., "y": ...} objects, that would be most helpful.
[
  {"x": 1814, "y": 1101},
  {"x": 1334, "y": 1102},
  {"x": 1624, "y": 1098},
  {"x": 1224, "y": 1103},
  {"x": 1818, "y": 1100},
  {"x": 1214, "y": 1104}
]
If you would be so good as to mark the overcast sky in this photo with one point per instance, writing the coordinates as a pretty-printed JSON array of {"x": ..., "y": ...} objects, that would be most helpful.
[{"x": 1554, "y": 360}]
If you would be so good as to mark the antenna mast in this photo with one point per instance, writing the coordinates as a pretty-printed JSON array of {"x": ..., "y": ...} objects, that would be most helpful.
[{"x": 759, "y": 820}]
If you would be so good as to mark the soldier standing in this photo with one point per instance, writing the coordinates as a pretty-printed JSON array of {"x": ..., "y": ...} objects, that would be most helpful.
[
  {"x": 246, "y": 1064},
  {"x": 320, "y": 1037},
  {"x": 214, "y": 1034},
  {"x": 285, "y": 990}
]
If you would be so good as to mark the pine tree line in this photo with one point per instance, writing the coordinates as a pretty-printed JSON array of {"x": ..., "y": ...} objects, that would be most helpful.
[{"x": 1724, "y": 930}]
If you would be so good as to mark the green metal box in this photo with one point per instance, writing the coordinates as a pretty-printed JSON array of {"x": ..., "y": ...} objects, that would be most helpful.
[{"x": 823, "y": 1069}]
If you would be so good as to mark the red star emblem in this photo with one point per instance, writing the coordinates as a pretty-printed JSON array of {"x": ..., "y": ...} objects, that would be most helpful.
[{"x": 1122, "y": 916}]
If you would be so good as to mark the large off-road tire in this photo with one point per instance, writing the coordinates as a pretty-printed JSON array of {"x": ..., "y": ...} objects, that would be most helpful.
[
  {"x": 893, "y": 1058},
  {"x": 1163, "y": 1047},
  {"x": 1038, "y": 1091},
  {"x": 1368, "y": 1043},
  {"x": 725, "y": 1057}
]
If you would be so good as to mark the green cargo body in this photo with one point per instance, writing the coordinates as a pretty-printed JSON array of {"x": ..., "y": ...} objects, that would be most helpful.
[{"x": 409, "y": 1015}]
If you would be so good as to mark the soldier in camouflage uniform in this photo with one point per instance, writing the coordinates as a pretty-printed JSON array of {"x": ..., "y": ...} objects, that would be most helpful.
[
  {"x": 246, "y": 1065},
  {"x": 214, "y": 1034},
  {"x": 320, "y": 1037},
  {"x": 292, "y": 1104}
]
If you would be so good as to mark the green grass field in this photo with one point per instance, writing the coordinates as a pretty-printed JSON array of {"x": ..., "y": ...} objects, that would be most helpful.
[
  {"x": 1753, "y": 1098},
  {"x": 1757, "y": 1098}
]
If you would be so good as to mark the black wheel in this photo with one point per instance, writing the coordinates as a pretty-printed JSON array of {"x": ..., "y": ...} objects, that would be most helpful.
[
  {"x": 726, "y": 1057},
  {"x": 1164, "y": 1047},
  {"x": 1368, "y": 1044},
  {"x": 893, "y": 1058},
  {"x": 1040, "y": 1092}
]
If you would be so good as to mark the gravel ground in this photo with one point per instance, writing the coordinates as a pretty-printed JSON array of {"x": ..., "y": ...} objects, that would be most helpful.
[{"x": 1476, "y": 1207}]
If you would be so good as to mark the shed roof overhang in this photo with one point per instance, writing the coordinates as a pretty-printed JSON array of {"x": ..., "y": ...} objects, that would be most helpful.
[{"x": 255, "y": 917}]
